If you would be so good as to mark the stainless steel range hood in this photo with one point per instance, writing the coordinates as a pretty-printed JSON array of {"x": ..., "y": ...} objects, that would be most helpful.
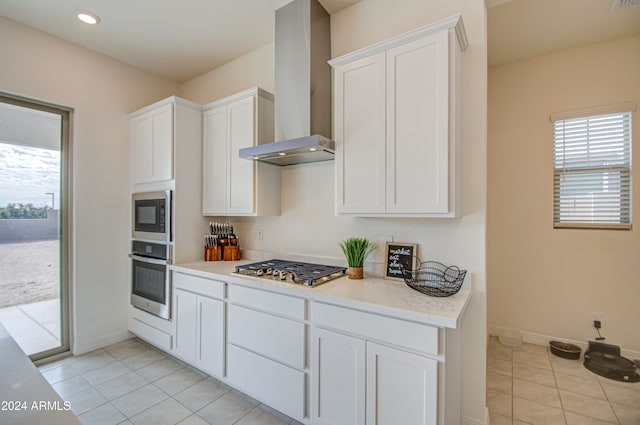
[{"x": 302, "y": 86}]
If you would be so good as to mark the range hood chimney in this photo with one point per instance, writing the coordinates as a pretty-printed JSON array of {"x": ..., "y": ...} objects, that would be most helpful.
[{"x": 303, "y": 87}]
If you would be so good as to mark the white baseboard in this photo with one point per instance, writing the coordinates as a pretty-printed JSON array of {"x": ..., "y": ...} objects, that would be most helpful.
[
  {"x": 103, "y": 341},
  {"x": 469, "y": 421},
  {"x": 539, "y": 339}
]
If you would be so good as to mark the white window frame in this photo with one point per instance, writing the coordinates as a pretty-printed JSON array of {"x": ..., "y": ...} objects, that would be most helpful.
[{"x": 581, "y": 164}]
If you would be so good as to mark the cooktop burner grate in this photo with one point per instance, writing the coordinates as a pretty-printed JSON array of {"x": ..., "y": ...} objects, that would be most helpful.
[{"x": 292, "y": 271}]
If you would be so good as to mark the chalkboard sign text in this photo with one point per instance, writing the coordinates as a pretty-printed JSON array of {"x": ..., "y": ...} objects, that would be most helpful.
[{"x": 399, "y": 255}]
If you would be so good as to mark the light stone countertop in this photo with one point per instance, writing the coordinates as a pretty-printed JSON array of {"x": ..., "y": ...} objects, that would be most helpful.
[
  {"x": 387, "y": 297},
  {"x": 26, "y": 397}
]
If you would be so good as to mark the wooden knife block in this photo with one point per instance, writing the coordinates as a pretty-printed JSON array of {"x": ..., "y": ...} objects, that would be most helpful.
[
  {"x": 231, "y": 253},
  {"x": 212, "y": 253}
]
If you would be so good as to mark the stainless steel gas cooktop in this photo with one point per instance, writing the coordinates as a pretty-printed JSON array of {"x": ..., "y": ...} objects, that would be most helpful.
[{"x": 292, "y": 271}]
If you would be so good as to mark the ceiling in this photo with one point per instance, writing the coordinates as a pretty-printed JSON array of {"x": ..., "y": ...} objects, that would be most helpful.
[
  {"x": 177, "y": 39},
  {"x": 183, "y": 39},
  {"x": 520, "y": 29}
]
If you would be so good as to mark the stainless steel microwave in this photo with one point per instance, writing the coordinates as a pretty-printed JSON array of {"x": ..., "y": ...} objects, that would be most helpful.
[{"x": 151, "y": 216}]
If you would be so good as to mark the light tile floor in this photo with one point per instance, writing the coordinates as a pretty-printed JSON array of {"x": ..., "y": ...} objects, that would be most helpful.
[
  {"x": 529, "y": 385},
  {"x": 132, "y": 383}
]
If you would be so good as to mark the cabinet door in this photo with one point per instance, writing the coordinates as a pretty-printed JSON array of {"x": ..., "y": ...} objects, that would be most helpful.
[
  {"x": 210, "y": 321},
  {"x": 241, "y": 174},
  {"x": 185, "y": 316},
  {"x": 402, "y": 388},
  {"x": 151, "y": 136},
  {"x": 338, "y": 379},
  {"x": 214, "y": 197},
  {"x": 359, "y": 127},
  {"x": 418, "y": 126}
]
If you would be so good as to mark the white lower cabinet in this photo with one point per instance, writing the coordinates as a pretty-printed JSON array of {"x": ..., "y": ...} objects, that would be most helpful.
[
  {"x": 148, "y": 327},
  {"x": 275, "y": 337},
  {"x": 266, "y": 348},
  {"x": 199, "y": 321},
  {"x": 402, "y": 388},
  {"x": 356, "y": 381},
  {"x": 210, "y": 356},
  {"x": 339, "y": 370},
  {"x": 315, "y": 361},
  {"x": 184, "y": 304},
  {"x": 279, "y": 386}
]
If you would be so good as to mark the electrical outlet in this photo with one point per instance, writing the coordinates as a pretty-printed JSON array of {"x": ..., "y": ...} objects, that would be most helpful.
[
  {"x": 259, "y": 234},
  {"x": 385, "y": 239},
  {"x": 595, "y": 316}
]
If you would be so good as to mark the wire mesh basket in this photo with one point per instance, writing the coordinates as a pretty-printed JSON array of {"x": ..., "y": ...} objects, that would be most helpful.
[{"x": 434, "y": 278}]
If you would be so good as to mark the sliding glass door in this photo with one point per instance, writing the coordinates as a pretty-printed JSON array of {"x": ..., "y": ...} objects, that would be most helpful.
[{"x": 34, "y": 224}]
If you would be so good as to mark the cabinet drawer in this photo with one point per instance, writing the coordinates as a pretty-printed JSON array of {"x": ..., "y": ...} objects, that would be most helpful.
[
  {"x": 276, "y": 385},
  {"x": 208, "y": 287},
  {"x": 150, "y": 334},
  {"x": 274, "y": 337},
  {"x": 398, "y": 332},
  {"x": 268, "y": 301}
]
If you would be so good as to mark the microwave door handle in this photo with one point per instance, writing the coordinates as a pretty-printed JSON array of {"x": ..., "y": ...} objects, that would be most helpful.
[{"x": 148, "y": 260}]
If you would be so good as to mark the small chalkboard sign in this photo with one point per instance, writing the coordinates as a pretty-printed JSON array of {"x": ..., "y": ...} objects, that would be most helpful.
[{"x": 399, "y": 255}]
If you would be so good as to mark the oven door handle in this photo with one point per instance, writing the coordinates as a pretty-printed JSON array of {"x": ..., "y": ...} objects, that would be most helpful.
[{"x": 148, "y": 260}]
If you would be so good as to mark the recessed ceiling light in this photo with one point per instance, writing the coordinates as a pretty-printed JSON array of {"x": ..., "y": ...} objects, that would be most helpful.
[{"x": 88, "y": 17}]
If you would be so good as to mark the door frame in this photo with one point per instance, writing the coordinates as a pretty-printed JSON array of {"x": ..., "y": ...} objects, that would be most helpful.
[{"x": 65, "y": 203}]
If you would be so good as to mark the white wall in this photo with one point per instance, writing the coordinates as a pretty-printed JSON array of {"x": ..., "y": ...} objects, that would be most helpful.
[
  {"x": 544, "y": 281},
  {"x": 308, "y": 225},
  {"x": 102, "y": 92},
  {"x": 253, "y": 69}
]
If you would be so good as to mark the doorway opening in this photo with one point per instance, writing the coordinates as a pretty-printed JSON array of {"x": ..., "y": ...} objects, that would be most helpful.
[{"x": 34, "y": 224}]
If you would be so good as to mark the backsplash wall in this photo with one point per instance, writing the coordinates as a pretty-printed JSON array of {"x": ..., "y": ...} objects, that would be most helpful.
[{"x": 308, "y": 225}]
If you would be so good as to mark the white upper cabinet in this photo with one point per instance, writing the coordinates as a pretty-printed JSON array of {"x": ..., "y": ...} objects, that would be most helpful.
[
  {"x": 231, "y": 185},
  {"x": 162, "y": 139},
  {"x": 396, "y": 125},
  {"x": 359, "y": 128},
  {"x": 151, "y": 139},
  {"x": 418, "y": 126},
  {"x": 165, "y": 153}
]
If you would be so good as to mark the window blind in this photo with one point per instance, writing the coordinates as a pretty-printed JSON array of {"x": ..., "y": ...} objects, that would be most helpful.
[{"x": 592, "y": 171}]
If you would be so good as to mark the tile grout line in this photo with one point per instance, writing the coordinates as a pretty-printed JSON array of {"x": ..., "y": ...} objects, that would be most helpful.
[
  {"x": 555, "y": 380},
  {"x": 608, "y": 400}
]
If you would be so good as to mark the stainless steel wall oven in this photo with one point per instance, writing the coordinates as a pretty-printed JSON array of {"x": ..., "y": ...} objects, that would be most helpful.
[{"x": 151, "y": 278}]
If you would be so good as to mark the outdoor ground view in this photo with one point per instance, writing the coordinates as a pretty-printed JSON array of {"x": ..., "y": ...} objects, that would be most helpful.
[
  {"x": 29, "y": 246},
  {"x": 28, "y": 272}
]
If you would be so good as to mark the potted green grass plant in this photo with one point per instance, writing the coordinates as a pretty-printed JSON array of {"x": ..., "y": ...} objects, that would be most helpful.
[{"x": 356, "y": 250}]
